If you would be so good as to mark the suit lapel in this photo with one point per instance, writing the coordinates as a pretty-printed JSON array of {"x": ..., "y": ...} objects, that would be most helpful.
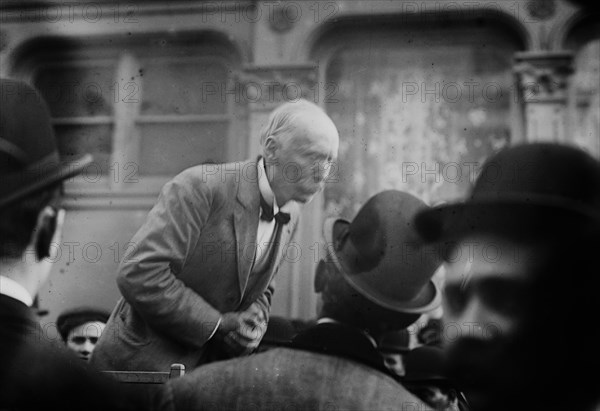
[{"x": 246, "y": 222}]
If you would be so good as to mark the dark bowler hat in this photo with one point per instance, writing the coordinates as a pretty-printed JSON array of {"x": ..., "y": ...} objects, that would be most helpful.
[
  {"x": 382, "y": 256},
  {"x": 75, "y": 317},
  {"x": 424, "y": 364},
  {"x": 539, "y": 190},
  {"x": 396, "y": 342},
  {"x": 29, "y": 158}
]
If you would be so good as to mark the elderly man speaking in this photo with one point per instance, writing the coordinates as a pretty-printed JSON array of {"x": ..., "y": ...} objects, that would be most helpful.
[{"x": 198, "y": 285}]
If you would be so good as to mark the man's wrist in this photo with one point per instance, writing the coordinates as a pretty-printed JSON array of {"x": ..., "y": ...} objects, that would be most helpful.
[{"x": 216, "y": 327}]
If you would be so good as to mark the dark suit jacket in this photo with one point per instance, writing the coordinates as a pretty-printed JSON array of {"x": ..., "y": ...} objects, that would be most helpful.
[
  {"x": 190, "y": 262},
  {"x": 36, "y": 375},
  {"x": 337, "y": 369}
]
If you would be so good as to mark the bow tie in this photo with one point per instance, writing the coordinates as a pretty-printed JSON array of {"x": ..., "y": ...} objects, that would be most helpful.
[{"x": 267, "y": 213}]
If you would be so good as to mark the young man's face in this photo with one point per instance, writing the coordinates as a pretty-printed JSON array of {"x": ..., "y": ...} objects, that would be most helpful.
[
  {"x": 484, "y": 299},
  {"x": 484, "y": 277},
  {"x": 83, "y": 338},
  {"x": 394, "y": 362}
]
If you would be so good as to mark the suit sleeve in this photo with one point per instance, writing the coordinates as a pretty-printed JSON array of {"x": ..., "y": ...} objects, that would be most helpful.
[{"x": 147, "y": 276}]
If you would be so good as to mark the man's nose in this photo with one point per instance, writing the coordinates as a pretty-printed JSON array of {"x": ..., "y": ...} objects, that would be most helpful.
[
  {"x": 87, "y": 347},
  {"x": 476, "y": 321},
  {"x": 322, "y": 173}
]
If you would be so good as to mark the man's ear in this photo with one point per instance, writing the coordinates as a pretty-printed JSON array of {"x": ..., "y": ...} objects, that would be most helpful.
[
  {"x": 46, "y": 229},
  {"x": 270, "y": 148}
]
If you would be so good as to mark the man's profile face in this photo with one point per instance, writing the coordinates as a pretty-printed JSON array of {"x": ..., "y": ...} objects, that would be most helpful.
[
  {"x": 83, "y": 338},
  {"x": 303, "y": 164}
]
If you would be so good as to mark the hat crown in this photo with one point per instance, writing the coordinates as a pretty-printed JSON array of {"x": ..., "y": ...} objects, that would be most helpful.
[
  {"x": 26, "y": 135},
  {"x": 538, "y": 191},
  {"x": 29, "y": 159},
  {"x": 384, "y": 258},
  {"x": 540, "y": 171}
]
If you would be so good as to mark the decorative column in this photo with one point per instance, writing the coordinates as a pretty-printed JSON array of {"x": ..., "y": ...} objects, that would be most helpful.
[{"x": 543, "y": 79}]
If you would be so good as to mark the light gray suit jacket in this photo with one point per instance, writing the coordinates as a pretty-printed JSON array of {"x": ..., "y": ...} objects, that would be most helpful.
[{"x": 191, "y": 262}]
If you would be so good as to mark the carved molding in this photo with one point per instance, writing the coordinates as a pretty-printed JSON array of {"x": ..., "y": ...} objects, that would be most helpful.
[
  {"x": 543, "y": 77},
  {"x": 280, "y": 21},
  {"x": 267, "y": 87},
  {"x": 541, "y": 9}
]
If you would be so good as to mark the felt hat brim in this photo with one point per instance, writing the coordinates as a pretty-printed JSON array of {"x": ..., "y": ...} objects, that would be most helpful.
[
  {"x": 428, "y": 299},
  {"x": 44, "y": 174},
  {"x": 508, "y": 215}
]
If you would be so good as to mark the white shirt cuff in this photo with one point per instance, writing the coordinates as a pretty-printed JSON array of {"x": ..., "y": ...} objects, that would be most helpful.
[{"x": 216, "y": 328}]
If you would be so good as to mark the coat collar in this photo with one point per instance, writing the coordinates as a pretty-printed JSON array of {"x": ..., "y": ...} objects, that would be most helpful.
[
  {"x": 248, "y": 192},
  {"x": 17, "y": 316},
  {"x": 333, "y": 338}
]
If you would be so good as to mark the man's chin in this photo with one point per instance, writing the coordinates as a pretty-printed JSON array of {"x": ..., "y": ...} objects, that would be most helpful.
[{"x": 479, "y": 368}]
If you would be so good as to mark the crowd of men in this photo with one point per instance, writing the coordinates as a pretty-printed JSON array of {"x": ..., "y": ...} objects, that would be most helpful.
[{"x": 519, "y": 286}]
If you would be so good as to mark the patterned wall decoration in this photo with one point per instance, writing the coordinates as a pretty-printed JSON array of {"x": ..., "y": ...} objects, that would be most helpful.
[{"x": 418, "y": 119}]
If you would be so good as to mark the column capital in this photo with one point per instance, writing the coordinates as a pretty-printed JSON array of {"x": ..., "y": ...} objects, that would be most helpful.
[{"x": 543, "y": 76}]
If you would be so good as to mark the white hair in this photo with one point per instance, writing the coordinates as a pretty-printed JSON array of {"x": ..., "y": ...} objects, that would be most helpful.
[{"x": 285, "y": 119}]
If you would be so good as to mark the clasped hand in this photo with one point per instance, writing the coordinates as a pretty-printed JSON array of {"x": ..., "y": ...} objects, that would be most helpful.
[{"x": 241, "y": 332}]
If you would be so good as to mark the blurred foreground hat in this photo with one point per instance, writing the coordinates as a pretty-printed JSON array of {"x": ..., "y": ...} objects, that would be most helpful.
[
  {"x": 539, "y": 189},
  {"x": 424, "y": 364},
  {"x": 396, "y": 342},
  {"x": 75, "y": 317},
  {"x": 381, "y": 255},
  {"x": 29, "y": 158}
]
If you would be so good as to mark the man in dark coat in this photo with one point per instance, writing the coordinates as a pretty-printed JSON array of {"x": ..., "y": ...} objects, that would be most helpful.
[
  {"x": 198, "y": 284},
  {"x": 522, "y": 280},
  {"x": 34, "y": 373},
  {"x": 376, "y": 278}
]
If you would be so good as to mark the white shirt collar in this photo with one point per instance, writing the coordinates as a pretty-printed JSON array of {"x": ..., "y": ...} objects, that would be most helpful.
[
  {"x": 265, "y": 188},
  {"x": 11, "y": 288}
]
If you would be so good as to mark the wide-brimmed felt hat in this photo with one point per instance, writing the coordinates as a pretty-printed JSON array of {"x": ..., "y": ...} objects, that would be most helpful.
[
  {"x": 539, "y": 190},
  {"x": 381, "y": 255},
  {"x": 29, "y": 159}
]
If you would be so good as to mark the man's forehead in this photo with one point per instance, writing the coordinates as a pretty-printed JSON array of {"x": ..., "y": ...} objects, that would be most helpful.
[
  {"x": 315, "y": 143},
  {"x": 487, "y": 256},
  {"x": 90, "y": 328}
]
